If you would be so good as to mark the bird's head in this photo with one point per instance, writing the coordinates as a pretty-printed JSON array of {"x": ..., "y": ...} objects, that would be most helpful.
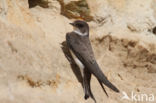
[{"x": 80, "y": 27}]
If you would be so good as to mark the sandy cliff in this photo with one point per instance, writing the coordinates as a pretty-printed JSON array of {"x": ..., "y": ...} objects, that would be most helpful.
[{"x": 34, "y": 68}]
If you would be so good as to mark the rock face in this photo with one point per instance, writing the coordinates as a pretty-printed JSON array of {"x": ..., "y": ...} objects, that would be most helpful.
[
  {"x": 76, "y": 9},
  {"x": 34, "y": 68}
]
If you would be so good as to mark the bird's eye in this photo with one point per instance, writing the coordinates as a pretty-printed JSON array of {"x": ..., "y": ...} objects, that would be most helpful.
[{"x": 80, "y": 25}]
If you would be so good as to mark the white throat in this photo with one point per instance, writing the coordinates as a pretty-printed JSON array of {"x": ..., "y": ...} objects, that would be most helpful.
[{"x": 80, "y": 33}]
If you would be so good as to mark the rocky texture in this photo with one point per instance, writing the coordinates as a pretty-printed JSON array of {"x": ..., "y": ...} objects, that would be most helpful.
[
  {"x": 34, "y": 68},
  {"x": 76, "y": 9},
  {"x": 42, "y": 3}
]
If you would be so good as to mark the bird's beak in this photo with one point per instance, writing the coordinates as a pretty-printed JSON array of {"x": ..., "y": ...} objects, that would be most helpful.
[{"x": 71, "y": 24}]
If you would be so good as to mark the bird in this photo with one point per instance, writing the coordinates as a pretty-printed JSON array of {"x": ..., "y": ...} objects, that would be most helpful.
[{"x": 81, "y": 50}]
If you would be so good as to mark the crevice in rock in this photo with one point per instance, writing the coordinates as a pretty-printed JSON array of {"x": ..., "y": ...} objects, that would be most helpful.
[
  {"x": 76, "y": 9},
  {"x": 154, "y": 30},
  {"x": 42, "y": 3}
]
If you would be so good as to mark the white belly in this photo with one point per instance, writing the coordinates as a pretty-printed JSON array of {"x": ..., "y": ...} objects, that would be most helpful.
[{"x": 78, "y": 62}]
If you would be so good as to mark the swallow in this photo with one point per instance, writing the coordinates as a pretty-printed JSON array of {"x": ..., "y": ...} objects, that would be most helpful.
[{"x": 81, "y": 50}]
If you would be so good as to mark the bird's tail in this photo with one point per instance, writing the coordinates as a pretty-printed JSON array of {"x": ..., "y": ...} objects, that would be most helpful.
[
  {"x": 109, "y": 84},
  {"x": 103, "y": 88},
  {"x": 86, "y": 85},
  {"x": 102, "y": 78}
]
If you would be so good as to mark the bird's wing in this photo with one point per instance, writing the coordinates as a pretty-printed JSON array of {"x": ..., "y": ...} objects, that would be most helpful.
[{"x": 81, "y": 47}]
